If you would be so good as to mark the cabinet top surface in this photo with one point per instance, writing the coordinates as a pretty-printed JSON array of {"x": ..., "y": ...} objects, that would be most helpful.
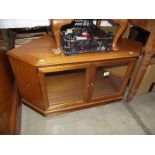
[{"x": 39, "y": 53}]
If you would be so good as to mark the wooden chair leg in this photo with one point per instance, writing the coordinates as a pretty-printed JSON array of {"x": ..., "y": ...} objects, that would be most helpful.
[
  {"x": 144, "y": 65},
  {"x": 56, "y": 25},
  {"x": 149, "y": 52},
  {"x": 121, "y": 27}
]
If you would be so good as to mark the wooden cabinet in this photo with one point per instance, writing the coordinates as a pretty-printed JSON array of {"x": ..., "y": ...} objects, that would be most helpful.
[
  {"x": 10, "y": 108},
  {"x": 53, "y": 84}
]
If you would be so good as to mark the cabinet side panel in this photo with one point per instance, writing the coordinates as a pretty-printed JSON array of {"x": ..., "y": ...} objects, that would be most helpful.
[
  {"x": 8, "y": 106},
  {"x": 6, "y": 88},
  {"x": 27, "y": 82},
  {"x": 15, "y": 116}
]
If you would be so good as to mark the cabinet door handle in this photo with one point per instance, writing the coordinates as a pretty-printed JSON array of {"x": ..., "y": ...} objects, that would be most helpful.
[{"x": 88, "y": 85}]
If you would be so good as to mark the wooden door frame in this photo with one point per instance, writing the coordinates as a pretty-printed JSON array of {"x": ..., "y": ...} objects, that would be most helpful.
[
  {"x": 130, "y": 62},
  {"x": 51, "y": 69}
]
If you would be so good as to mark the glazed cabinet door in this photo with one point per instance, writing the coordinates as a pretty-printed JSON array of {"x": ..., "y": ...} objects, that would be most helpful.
[
  {"x": 67, "y": 84},
  {"x": 110, "y": 78}
]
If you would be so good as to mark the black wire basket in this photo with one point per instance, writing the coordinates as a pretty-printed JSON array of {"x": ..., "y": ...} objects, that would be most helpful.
[{"x": 96, "y": 40}]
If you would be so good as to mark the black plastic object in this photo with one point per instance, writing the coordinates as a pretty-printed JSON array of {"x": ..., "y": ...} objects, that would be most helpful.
[
  {"x": 96, "y": 40},
  {"x": 139, "y": 34}
]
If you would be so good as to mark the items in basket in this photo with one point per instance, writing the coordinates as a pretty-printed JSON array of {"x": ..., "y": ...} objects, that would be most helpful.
[{"x": 82, "y": 39}]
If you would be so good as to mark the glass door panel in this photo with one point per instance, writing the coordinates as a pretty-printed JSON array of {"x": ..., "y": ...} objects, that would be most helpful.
[
  {"x": 65, "y": 86},
  {"x": 108, "y": 80}
]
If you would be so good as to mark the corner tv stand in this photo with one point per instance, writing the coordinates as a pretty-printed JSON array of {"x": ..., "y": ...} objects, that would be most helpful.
[{"x": 53, "y": 84}]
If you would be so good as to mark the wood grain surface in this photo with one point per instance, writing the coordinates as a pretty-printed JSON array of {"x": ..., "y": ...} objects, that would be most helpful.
[{"x": 39, "y": 53}]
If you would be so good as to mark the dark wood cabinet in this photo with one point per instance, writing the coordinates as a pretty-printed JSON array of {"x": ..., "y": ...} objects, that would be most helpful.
[
  {"x": 9, "y": 98},
  {"x": 52, "y": 84}
]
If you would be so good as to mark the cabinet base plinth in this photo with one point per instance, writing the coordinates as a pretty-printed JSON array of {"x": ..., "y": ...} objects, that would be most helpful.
[{"x": 59, "y": 109}]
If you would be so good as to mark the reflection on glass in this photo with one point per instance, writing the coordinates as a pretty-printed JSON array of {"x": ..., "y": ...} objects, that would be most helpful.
[
  {"x": 108, "y": 80},
  {"x": 65, "y": 86}
]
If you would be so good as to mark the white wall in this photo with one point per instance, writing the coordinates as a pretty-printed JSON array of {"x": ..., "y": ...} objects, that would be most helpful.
[{"x": 23, "y": 23}]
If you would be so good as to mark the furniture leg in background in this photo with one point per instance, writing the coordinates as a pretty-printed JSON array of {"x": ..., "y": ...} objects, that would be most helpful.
[
  {"x": 120, "y": 28},
  {"x": 149, "y": 52},
  {"x": 56, "y": 25}
]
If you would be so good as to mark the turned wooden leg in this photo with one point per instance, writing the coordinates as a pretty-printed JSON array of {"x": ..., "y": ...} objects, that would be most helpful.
[
  {"x": 56, "y": 25},
  {"x": 144, "y": 65},
  {"x": 121, "y": 27},
  {"x": 149, "y": 49}
]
